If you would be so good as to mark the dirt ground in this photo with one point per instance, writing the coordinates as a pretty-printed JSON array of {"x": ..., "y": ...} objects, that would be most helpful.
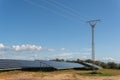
[{"x": 60, "y": 75}]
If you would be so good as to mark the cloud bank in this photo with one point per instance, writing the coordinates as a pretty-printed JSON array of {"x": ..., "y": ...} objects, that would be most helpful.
[
  {"x": 28, "y": 51},
  {"x": 26, "y": 47},
  {"x": 23, "y": 48}
]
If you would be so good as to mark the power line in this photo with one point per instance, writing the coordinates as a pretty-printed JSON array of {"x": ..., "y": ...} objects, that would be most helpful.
[
  {"x": 68, "y": 8},
  {"x": 64, "y": 8},
  {"x": 70, "y": 12},
  {"x": 38, "y": 5},
  {"x": 56, "y": 12}
]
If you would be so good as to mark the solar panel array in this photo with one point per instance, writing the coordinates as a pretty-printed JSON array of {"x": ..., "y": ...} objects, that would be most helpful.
[
  {"x": 62, "y": 65},
  {"x": 92, "y": 65},
  {"x": 8, "y": 64}
]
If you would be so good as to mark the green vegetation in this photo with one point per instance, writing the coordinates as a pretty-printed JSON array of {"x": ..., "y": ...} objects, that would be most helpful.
[
  {"x": 108, "y": 65},
  {"x": 103, "y": 72},
  {"x": 98, "y": 74}
]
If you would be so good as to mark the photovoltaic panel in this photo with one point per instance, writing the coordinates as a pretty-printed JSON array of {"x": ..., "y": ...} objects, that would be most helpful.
[
  {"x": 32, "y": 64},
  {"x": 92, "y": 65},
  {"x": 8, "y": 64},
  {"x": 62, "y": 65}
]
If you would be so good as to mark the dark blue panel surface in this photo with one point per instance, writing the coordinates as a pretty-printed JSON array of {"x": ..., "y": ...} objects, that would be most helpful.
[
  {"x": 62, "y": 65},
  {"x": 6, "y": 64}
]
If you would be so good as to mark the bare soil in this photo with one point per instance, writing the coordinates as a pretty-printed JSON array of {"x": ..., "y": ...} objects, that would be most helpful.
[{"x": 56, "y": 75}]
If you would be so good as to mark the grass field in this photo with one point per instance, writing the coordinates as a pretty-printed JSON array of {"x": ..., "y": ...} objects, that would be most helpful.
[{"x": 105, "y": 74}]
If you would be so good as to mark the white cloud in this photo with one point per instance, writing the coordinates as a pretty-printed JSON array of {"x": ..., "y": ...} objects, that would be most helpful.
[
  {"x": 27, "y": 48},
  {"x": 62, "y": 56},
  {"x": 109, "y": 59},
  {"x": 86, "y": 49},
  {"x": 36, "y": 49},
  {"x": 62, "y": 49},
  {"x": 65, "y": 54},
  {"x": 50, "y": 50},
  {"x": 24, "y": 48},
  {"x": 2, "y": 46},
  {"x": 85, "y": 57},
  {"x": 71, "y": 55}
]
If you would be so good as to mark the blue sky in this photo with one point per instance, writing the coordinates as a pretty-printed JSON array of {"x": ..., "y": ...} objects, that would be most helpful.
[{"x": 47, "y": 29}]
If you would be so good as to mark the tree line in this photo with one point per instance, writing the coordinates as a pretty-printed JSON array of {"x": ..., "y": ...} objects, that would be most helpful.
[{"x": 106, "y": 65}]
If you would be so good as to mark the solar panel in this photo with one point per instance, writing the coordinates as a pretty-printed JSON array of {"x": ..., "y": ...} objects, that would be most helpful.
[
  {"x": 92, "y": 65},
  {"x": 7, "y": 64},
  {"x": 32, "y": 64},
  {"x": 62, "y": 65}
]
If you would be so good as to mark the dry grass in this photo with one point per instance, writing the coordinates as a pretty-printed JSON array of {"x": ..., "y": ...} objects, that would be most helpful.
[
  {"x": 59, "y": 75},
  {"x": 116, "y": 72}
]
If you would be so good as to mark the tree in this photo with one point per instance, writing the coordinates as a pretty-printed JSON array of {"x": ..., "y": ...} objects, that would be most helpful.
[{"x": 112, "y": 65}]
